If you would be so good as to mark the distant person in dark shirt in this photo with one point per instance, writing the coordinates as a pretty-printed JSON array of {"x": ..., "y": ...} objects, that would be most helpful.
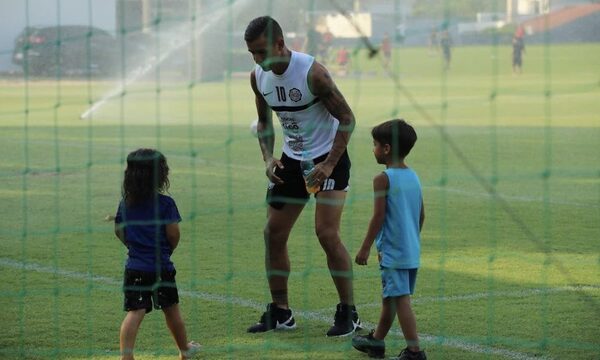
[
  {"x": 517, "y": 54},
  {"x": 446, "y": 44},
  {"x": 433, "y": 42},
  {"x": 386, "y": 48}
]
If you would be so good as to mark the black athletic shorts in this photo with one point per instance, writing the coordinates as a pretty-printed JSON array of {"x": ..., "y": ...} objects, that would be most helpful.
[
  {"x": 143, "y": 289},
  {"x": 293, "y": 190}
]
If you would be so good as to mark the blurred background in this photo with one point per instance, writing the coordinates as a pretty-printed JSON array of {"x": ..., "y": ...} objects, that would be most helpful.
[{"x": 196, "y": 39}]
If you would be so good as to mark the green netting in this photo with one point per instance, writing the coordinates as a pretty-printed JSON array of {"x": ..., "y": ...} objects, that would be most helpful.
[{"x": 509, "y": 165}]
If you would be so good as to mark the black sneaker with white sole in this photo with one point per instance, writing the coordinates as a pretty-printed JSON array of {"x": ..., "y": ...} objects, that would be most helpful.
[
  {"x": 275, "y": 318},
  {"x": 345, "y": 321}
]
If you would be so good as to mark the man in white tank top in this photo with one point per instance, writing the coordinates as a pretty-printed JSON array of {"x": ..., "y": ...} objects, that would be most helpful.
[{"x": 317, "y": 123}]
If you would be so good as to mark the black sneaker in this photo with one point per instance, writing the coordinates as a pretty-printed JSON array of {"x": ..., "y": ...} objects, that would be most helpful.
[
  {"x": 373, "y": 347},
  {"x": 345, "y": 321},
  {"x": 275, "y": 318},
  {"x": 411, "y": 355}
]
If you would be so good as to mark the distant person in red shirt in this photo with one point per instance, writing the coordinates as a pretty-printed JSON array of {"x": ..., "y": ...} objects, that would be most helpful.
[
  {"x": 324, "y": 46},
  {"x": 342, "y": 59},
  {"x": 520, "y": 32},
  {"x": 386, "y": 48}
]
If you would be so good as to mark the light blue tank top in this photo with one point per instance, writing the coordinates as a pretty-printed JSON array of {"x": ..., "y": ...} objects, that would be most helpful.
[{"x": 398, "y": 241}]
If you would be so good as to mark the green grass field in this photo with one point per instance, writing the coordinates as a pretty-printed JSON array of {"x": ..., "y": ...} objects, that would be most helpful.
[{"x": 512, "y": 276}]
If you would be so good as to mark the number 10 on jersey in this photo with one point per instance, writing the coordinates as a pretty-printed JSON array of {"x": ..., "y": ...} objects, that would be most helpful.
[{"x": 280, "y": 90}]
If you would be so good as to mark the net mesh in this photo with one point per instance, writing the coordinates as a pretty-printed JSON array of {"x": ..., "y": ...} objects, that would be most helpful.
[{"x": 508, "y": 160}]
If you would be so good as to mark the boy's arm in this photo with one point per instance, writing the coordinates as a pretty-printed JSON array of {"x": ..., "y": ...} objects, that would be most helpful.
[
  {"x": 422, "y": 216},
  {"x": 380, "y": 186},
  {"x": 173, "y": 234}
]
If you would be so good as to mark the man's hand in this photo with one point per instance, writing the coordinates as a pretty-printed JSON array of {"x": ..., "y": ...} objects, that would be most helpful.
[
  {"x": 320, "y": 172},
  {"x": 270, "y": 165}
]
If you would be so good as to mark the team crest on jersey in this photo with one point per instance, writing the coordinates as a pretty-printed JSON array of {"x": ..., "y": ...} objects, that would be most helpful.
[{"x": 295, "y": 95}]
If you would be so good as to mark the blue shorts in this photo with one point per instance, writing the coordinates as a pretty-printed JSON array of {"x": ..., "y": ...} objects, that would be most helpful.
[{"x": 398, "y": 282}]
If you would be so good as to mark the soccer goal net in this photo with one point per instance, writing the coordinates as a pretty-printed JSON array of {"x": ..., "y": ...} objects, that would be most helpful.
[{"x": 503, "y": 97}]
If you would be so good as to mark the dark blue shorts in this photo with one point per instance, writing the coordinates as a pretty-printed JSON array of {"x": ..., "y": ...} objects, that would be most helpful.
[{"x": 143, "y": 290}]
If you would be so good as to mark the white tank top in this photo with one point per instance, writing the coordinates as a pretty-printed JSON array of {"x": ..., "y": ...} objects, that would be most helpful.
[{"x": 306, "y": 123}]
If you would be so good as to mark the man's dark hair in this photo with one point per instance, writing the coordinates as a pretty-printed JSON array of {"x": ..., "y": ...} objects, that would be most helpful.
[
  {"x": 398, "y": 134},
  {"x": 263, "y": 25}
]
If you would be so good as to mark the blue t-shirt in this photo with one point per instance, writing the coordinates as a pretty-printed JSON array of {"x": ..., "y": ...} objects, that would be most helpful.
[
  {"x": 398, "y": 241},
  {"x": 145, "y": 233}
]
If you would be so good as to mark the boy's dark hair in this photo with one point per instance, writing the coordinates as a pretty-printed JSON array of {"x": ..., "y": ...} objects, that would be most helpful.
[
  {"x": 145, "y": 176},
  {"x": 398, "y": 134},
  {"x": 263, "y": 25}
]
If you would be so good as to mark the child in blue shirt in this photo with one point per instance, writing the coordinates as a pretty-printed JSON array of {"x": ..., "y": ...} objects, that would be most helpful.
[
  {"x": 147, "y": 223},
  {"x": 395, "y": 228}
]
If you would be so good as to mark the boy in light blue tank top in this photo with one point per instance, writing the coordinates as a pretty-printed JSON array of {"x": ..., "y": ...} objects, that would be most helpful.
[{"x": 395, "y": 227}]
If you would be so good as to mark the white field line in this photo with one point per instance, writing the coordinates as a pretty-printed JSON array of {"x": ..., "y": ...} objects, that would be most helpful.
[
  {"x": 539, "y": 199},
  {"x": 496, "y": 294},
  {"x": 310, "y": 315},
  {"x": 474, "y": 194}
]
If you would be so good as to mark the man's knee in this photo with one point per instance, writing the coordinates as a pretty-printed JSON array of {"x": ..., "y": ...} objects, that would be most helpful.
[
  {"x": 327, "y": 232},
  {"x": 275, "y": 235},
  {"x": 329, "y": 237}
]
